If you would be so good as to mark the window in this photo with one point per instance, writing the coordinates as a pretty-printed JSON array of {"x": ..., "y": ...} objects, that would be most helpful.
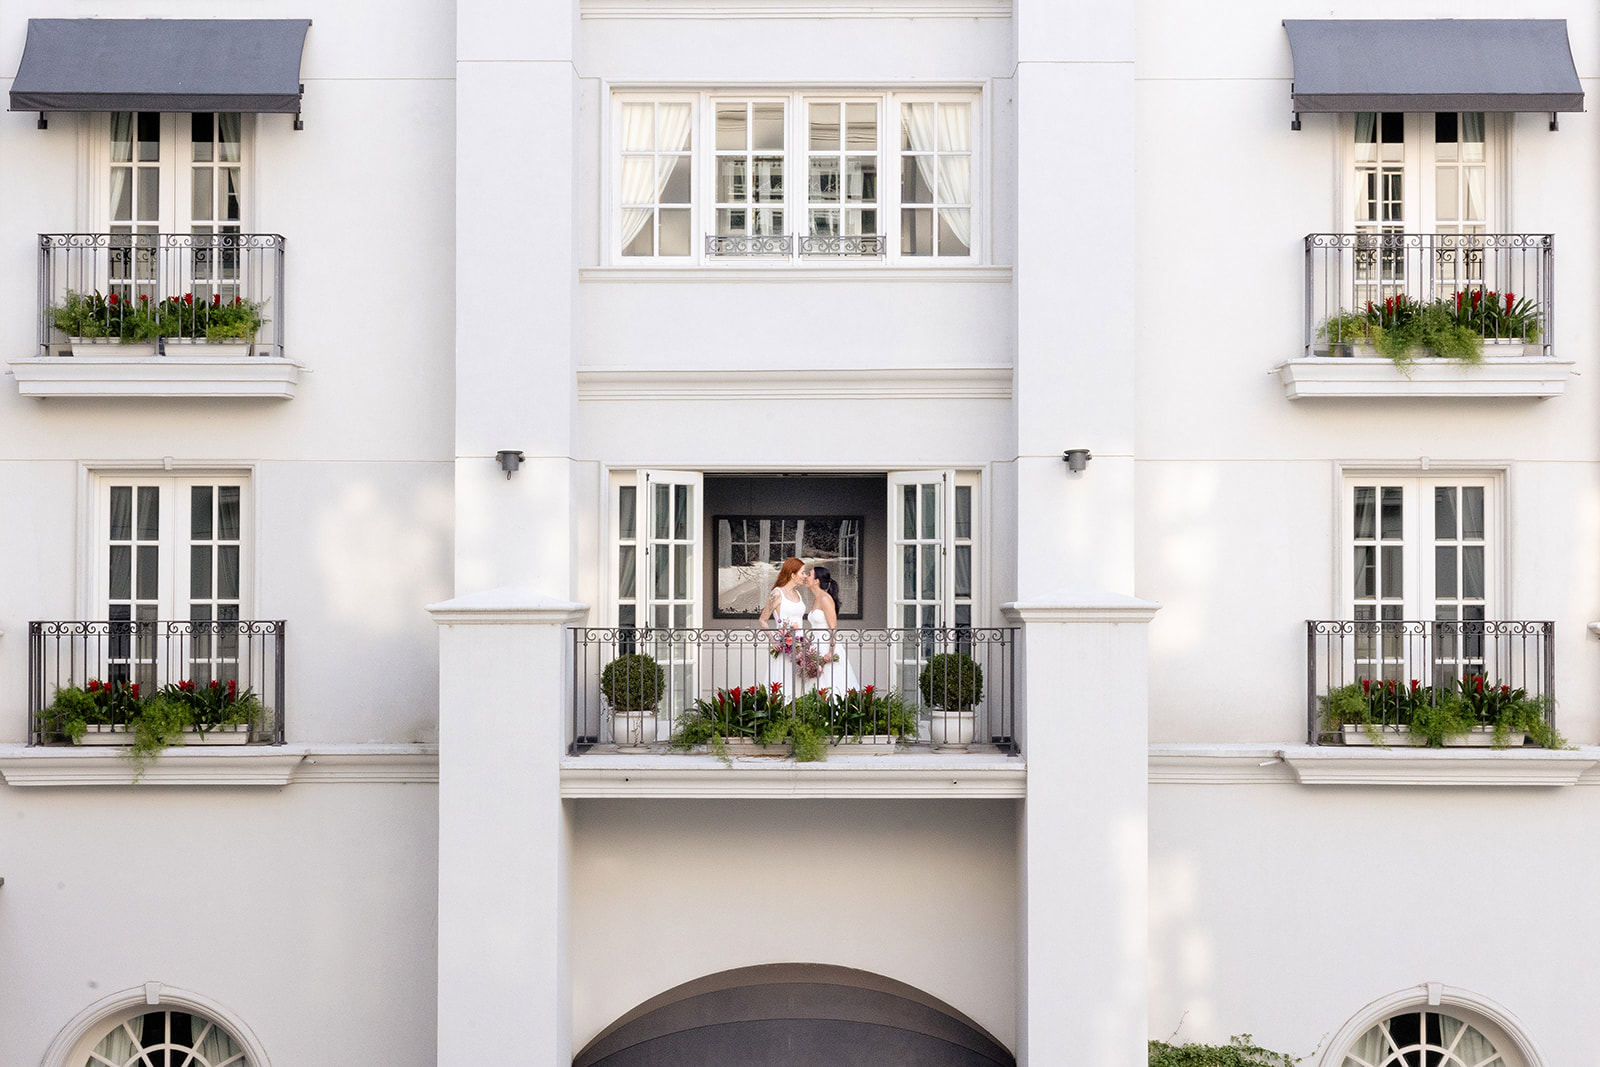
[
  {"x": 1422, "y": 548},
  {"x": 1424, "y": 1039},
  {"x": 167, "y": 1039},
  {"x": 795, "y": 177},
  {"x": 1425, "y": 173},
  {"x": 931, "y": 547}
]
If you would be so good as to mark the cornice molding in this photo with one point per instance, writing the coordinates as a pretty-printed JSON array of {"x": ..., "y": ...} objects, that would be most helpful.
[
  {"x": 979, "y": 382},
  {"x": 121, "y": 378},
  {"x": 24, "y": 766},
  {"x": 755, "y": 777},
  {"x": 1081, "y": 606},
  {"x": 1321, "y": 765},
  {"x": 510, "y": 605}
]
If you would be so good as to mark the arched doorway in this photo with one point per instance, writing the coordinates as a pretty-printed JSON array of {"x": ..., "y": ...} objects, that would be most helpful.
[{"x": 794, "y": 1015}]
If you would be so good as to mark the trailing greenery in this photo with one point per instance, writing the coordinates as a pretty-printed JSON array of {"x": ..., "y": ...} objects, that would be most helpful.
[
  {"x": 151, "y": 721},
  {"x": 632, "y": 682},
  {"x": 1452, "y": 327},
  {"x": 807, "y": 723},
  {"x": 1240, "y": 1051},
  {"x": 1436, "y": 714},
  {"x": 951, "y": 680}
]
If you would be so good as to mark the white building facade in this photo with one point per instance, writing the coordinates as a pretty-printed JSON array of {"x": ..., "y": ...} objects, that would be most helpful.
[{"x": 578, "y": 317}]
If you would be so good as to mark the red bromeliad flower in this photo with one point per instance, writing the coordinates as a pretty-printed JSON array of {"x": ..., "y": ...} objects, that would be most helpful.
[
  {"x": 775, "y": 687},
  {"x": 1366, "y": 686},
  {"x": 133, "y": 690},
  {"x": 233, "y": 688},
  {"x": 188, "y": 299},
  {"x": 1510, "y": 298},
  {"x": 1415, "y": 685},
  {"x": 185, "y": 686},
  {"x": 1478, "y": 682},
  {"x": 112, "y": 300},
  {"x": 1477, "y": 297},
  {"x": 1505, "y": 690},
  {"x": 216, "y": 299},
  {"x": 93, "y": 686}
]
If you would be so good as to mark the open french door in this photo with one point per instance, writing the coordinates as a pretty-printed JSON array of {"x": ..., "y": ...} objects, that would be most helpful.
[{"x": 671, "y": 577}]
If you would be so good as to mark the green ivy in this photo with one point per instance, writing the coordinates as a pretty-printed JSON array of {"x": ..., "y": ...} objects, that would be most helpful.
[{"x": 1240, "y": 1051}]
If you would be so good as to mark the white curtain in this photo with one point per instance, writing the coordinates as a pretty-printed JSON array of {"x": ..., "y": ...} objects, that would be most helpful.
[
  {"x": 217, "y": 1049},
  {"x": 1369, "y": 1049},
  {"x": 116, "y": 1047},
  {"x": 641, "y": 184},
  {"x": 950, "y": 132}
]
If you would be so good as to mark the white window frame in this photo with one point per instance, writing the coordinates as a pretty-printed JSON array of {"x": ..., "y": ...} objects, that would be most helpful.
[
  {"x": 94, "y": 211},
  {"x": 796, "y": 175},
  {"x": 1418, "y": 597},
  {"x": 1418, "y": 195}
]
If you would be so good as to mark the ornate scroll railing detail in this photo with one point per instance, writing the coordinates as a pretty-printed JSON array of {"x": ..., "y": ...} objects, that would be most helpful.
[
  {"x": 697, "y": 663},
  {"x": 745, "y": 245},
  {"x": 144, "y": 269},
  {"x": 866, "y": 244},
  {"x": 1345, "y": 272},
  {"x": 155, "y": 654},
  {"x": 1425, "y": 658}
]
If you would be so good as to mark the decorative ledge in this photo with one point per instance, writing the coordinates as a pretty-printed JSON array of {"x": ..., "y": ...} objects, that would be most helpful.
[
  {"x": 1364, "y": 378},
  {"x": 775, "y": 274},
  {"x": 978, "y": 382},
  {"x": 120, "y": 377},
  {"x": 23, "y": 766},
  {"x": 668, "y": 776},
  {"x": 1338, "y": 765}
]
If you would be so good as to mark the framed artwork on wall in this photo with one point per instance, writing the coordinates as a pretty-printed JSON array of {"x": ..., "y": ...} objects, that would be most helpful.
[{"x": 751, "y": 548}]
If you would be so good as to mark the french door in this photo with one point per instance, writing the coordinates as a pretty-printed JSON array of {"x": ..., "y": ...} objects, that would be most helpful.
[
  {"x": 1426, "y": 550},
  {"x": 171, "y": 550},
  {"x": 656, "y": 528},
  {"x": 932, "y": 546}
]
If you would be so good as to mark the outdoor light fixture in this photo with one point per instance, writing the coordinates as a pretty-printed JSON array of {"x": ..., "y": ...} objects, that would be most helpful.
[
  {"x": 1077, "y": 459},
  {"x": 510, "y": 459}
]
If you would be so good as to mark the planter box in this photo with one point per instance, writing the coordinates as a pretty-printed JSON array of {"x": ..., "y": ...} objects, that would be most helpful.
[
  {"x": 1493, "y": 348},
  {"x": 112, "y": 346},
  {"x": 866, "y": 745},
  {"x": 199, "y": 346},
  {"x": 1400, "y": 737},
  {"x": 103, "y": 735}
]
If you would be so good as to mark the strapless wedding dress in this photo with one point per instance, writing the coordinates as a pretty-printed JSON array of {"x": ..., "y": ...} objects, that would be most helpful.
[
  {"x": 837, "y": 676},
  {"x": 790, "y": 615}
]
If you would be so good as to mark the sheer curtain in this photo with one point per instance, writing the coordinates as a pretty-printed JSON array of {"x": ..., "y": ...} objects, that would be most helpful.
[
  {"x": 932, "y": 132},
  {"x": 642, "y": 179},
  {"x": 1369, "y": 1049},
  {"x": 116, "y": 1047}
]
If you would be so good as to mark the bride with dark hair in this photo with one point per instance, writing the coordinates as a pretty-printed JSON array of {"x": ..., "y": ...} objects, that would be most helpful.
[{"x": 823, "y": 620}]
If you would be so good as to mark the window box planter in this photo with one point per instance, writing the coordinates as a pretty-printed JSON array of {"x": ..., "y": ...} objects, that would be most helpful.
[
  {"x": 97, "y": 734},
  {"x": 111, "y": 346},
  {"x": 1400, "y": 737},
  {"x": 199, "y": 346}
]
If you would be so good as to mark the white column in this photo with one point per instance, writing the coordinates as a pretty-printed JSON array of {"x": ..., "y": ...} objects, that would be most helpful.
[
  {"x": 516, "y": 290},
  {"x": 1075, "y": 293},
  {"x": 1085, "y": 841},
  {"x": 504, "y": 990}
]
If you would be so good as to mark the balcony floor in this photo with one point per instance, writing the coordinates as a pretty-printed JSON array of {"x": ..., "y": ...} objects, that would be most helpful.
[{"x": 913, "y": 773}]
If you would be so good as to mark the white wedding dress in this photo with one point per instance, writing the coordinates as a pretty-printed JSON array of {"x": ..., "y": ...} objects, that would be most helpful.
[
  {"x": 780, "y": 668},
  {"x": 837, "y": 676}
]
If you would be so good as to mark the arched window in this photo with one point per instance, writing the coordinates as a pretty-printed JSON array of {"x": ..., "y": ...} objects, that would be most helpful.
[
  {"x": 1449, "y": 1035},
  {"x": 167, "y": 1039}
]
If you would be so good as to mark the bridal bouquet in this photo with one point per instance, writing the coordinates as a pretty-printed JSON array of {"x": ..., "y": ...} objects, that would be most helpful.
[{"x": 792, "y": 642}]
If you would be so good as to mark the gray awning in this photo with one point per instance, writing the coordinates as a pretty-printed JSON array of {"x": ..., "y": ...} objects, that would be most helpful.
[
  {"x": 1433, "y": 65},
  {"x": 160, "y": 65}
]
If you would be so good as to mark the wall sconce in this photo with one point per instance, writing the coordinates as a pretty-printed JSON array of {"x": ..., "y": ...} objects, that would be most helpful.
[
  {"x": 510, "y": 459},
  {"x": 1077, "y": 459}
]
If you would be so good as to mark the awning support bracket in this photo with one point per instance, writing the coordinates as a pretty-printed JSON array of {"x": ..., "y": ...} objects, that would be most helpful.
[{"x": 1555, "y": 123}]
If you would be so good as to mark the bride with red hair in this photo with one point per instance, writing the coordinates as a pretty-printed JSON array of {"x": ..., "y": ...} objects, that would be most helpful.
[{"x": 787, "y": 611}]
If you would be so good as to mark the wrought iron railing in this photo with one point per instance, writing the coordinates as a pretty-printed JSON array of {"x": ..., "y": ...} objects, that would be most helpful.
[
  {"x": 152, "y": 656},
  {"x": 1348, "y": 273},
  {"x": 698, "y": 664},
  {"x": 1395, "y": 664},
  {"x": 143, "y": 271},
  {"x": 782, "y": 246}
]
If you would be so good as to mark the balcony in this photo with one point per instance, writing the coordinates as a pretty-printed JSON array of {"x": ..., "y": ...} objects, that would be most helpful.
[
  {"x": 1387, "y": 683},
  {"x": 718, "y": 681},
  {"x": 1351, "y": 278},
  {"x": 219, "y": 670},
  {"x": 156, "y": 304}
]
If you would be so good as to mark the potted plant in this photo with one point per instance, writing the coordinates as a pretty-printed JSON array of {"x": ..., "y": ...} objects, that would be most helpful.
[
  {"x": 951, "y": 684},
  {"x": 1469, "y": 714},
  {"x": 1508, "y": 326},
  {"x": 118, "y": 713},
  {"x": 1402, "y": 329},
  {"x": 93, "y": 323},
  {"x": 214, "y": 328},
  {"x": 865, "y": 717},
  {"x": 632, "y": 684}
]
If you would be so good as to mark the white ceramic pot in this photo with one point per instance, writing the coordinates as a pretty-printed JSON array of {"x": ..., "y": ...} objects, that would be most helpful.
[{"x": 951, "y": 729}]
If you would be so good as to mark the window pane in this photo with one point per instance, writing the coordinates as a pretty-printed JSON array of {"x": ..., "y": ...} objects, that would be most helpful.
[
  {"x": 1366, "y": 570},
  {"x": 149, "y": 130},
  {"x": 861, "y": 180},
  {"x": 824, "y": 127},
  {"x": 908, "y": 572},
  {"x": 918, "y": 118},
  {"x": 908, "y": 511},
  {"x": 122, "y": 194},
  {"x": 627, "y": 571},
  {"x": 202, "y": 126},
  {"x": 200, "y": 572},
  {"x": 638, "y": 179},
  {"x": 149, "y": 193},
  {"x": 824, "y": 178},
  {"x": 662, "y": 591},
  {"x": 1472, "y": 582},
  {"x": 1444, "y": 513},
  {"x": 767, "y": 172},
  {"x": 930, "y": 511},
  {"x": 963, "y": 503},
  {"x": 930, "y": 571},
  {"x": 200, "y": 193},
  {"x": 121, "y": 576},
  {"x": 963, "y": 568},
  {"x": 1444, "y": 572},
  {"x": 916, "y": 232},
  {"x": 1394, "y": 127},
  {"x": 644, "y": 241},
  {"x": 674, "y": 134},
  {"x": 1393, "y": 577},
  {"x": 1366, "y": 499},
  {"x": 955, "y": 179},
  {"x": 228, "y": 572},
  {"x": 229, "y": 127},
  {"x": 122, "y": 137},
  {"x": 674, "y": 180},
  {"x": 149, "y": 513},
  {"x": 200, "y": 512},
  {"x": 1392, "y": 496},
  {"x": 1444, "y": 127},
  {"x": 625, "y": 517},
  {"x": 732, "y": 184},
  {"x": 146, "y": 566},
  {"x": 731, "y": 127},
  {"x": 121, "y": 512},
  {"x": 625, "y": 614},
  {"x": 229, "y": 176},
  {"x": 766, "y": 127},
  {"x": 1472, "y": 513},
  {"x": 682, "y": 499},
  {"x": 955, "y": 128},
  {"x": 680, "y": 572},
  {"x": 663, "y": 510},
  {"x": 675, "y": 233},
  {"x": 638, "y": 127},
  {"x": 861, "y": 127},
  {"x": 228, "y": 513},
  {"x": 1445, "y": 189},
  {"x": 824, "y": 223},
  {"x": 916, "y": 186},
  {"x": 955, "y": 226}
]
